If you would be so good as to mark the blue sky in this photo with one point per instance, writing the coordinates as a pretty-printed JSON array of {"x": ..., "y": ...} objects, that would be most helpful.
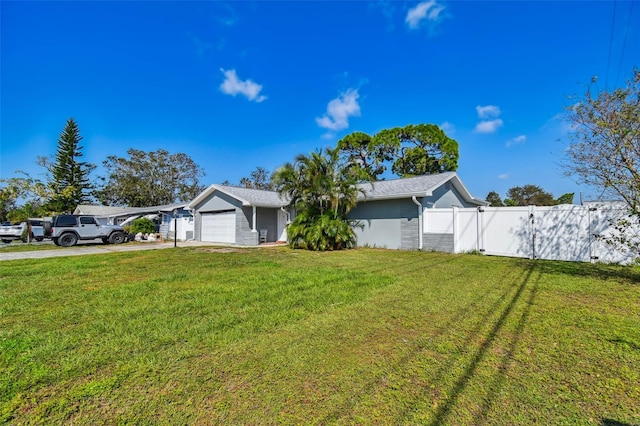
[{"x": 237, "y": 85}]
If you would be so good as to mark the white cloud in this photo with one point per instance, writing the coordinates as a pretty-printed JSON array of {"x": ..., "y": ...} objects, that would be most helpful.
[
  {"x": 503, "y": 176},
  {"x": 448, "y": 128},
  {"x": 233, "y": 86},
  {"x": 488, "y": 126},
  {"x": 517, "y": 140},
  {"x": 488, "y": 111},
  {"x": 429, "y": 10},
  {"x": 339, "y": 110}
]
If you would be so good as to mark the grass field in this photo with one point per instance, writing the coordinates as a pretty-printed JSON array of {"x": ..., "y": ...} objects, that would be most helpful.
[{"x": 266, "y": 336}]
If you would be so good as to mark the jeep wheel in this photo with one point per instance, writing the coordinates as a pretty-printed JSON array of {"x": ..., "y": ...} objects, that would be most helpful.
[
  {"x": 55, "y": 241},
  {"x": 117, "y": 238},
  {"x": 6, "y": 241},
  {"x": 105, "y": 240},
  {"x": 68, "y": 239}
]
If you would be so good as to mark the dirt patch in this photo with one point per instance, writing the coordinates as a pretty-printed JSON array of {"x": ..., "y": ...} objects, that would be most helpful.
[{"x": 218, "y": 250}]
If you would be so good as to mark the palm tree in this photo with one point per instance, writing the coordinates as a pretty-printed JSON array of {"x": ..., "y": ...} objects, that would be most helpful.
[{"x": 322, "y": 189}]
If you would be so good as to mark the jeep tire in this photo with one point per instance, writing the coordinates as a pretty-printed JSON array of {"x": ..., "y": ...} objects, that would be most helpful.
[
  {"x": 68, "y": 239},
  {"x": 117, "y": 238}
]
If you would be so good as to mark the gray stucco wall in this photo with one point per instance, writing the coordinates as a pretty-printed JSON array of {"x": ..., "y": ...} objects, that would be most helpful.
[
  {"x": 391, "y": 224},
  {"x": 244, "y": 231},
  {"x": 218, "y": 201},
  {"x": 445, "y": 196},
  {"x": 268, "y": 219},
  {"x": 438, "y": 242}
]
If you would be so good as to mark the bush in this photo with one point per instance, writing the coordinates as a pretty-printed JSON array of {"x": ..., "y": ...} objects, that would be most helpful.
[
  {"x": 325, "y": 232},
  {"x": 143, "y": 225}
]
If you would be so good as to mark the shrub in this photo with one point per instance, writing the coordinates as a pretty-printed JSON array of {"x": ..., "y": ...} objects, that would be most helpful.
[{"x": 143, "y": 225}]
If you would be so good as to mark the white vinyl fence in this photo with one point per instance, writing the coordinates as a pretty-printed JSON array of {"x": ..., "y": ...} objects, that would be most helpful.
[{"x": 565, "y": 232}]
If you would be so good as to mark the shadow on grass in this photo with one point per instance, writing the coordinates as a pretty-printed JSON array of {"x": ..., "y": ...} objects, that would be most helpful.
[
  {"x": 600, "y": 271},
  {"x": 460, "y": 314},
  {"x": 610, "y": 422},
  {"x": 460, "y": 385}
]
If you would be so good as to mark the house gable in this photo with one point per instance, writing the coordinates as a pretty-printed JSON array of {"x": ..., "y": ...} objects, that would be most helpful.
[{"x": 217, "y": 201}]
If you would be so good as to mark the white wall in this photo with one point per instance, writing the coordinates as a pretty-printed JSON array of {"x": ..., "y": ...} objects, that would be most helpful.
[
  {"x": 567, "y": 232},
  {"x": 185, "y": 225}
]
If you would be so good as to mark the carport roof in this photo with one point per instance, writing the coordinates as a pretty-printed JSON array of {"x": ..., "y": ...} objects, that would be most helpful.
[{"x": 110, "y": 211}]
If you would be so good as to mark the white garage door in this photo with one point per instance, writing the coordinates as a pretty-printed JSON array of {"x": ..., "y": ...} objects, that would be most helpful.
[{"x": 219, "y": 227}]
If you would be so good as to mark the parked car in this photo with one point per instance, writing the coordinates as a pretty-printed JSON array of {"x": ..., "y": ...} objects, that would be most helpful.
[
  {"x": 66, "y": 230},
  {"x": 10, "y": 232},
  {"x": 37, "y": 228}
]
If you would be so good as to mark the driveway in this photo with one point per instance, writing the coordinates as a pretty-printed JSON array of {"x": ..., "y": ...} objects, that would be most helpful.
[{"x": 96, "y": 248}]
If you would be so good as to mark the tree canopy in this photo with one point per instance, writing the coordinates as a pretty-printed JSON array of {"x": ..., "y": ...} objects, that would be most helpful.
[
  {"x": 528, "y": 195},
  {"x": 412, "y": 150},
  {"x": 150, "y": 179},
  {"x": 260, "y": 178}
]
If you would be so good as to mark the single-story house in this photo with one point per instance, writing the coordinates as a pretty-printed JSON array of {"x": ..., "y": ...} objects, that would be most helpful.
[
  {"x": 163, "y": 216},
  {"x": 390, "y": 212},
  {"x": 227, "y": 214},
  {"x": 392, "y": 215}
]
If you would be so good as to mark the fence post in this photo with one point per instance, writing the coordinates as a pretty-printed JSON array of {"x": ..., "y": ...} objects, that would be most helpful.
[
  {"x": 532, "y": 220},
  {"x": 479, "y": 229},
  {"x": 455, "y": 229}
]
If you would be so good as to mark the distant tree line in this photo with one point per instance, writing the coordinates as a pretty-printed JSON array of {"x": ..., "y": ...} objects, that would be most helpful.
[
  {"x": 528, "y": 195},
  {"x": 139, "y": 180}
]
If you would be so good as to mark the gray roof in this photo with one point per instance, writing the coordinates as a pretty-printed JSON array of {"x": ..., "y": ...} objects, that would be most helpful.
[
  {"x": 404, "y": 187},
  {"x": 248, "y": 197},
  {"x": 419, "y": 186}
]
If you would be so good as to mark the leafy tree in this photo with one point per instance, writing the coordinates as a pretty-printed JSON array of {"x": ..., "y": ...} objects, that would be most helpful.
[
  {"x": 604, "y": 148},
  {"x": 260, "y": 179},
  {"x": 322, "y": 189},
  {"x": 412, "y": 150},
  {"x": 369, "y": 156},
  {"x": 565, "y": 198},
  {"x": 150, "y": 178},
  {"x": 69, "y": 182},
  {"x": 495, "y": 200},
  {"x": 529, "y": 194},
  {"x": 32, "y": 191}
]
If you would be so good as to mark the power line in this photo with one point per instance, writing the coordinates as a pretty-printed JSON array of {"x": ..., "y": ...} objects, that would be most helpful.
[
  {"x": 613, "y": 24},
  {"x": 624, "y": 42}
]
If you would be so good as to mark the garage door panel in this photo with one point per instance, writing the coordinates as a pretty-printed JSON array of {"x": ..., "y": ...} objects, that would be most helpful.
[{"x": 219, "y": 227}]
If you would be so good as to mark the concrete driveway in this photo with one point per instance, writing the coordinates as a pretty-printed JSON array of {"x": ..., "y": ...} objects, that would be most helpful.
[{"x": 96, "y": 248}]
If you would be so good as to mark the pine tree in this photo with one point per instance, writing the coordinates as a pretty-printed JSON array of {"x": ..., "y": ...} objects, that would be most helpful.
[{"x": 70, "y": 177}]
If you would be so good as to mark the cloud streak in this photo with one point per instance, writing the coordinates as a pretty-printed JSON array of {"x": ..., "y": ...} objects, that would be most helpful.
[
  {"x": 488, "y": 126},
  {"x": 516, "y": 141},
  {"x": 233, "y": 86},
  {"x": 424, "y": 11},
  {"x": 339, "y": 110},
  {"x": 488, "y": 111}
]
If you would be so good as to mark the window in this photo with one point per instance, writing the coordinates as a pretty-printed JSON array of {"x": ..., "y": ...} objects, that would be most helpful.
[
  {"x": 87, "y": 221},
  {"x": 66, "y": 221}
]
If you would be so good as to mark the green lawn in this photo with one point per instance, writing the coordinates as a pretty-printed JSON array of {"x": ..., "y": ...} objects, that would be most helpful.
[{"x": 365, "y": 336}]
